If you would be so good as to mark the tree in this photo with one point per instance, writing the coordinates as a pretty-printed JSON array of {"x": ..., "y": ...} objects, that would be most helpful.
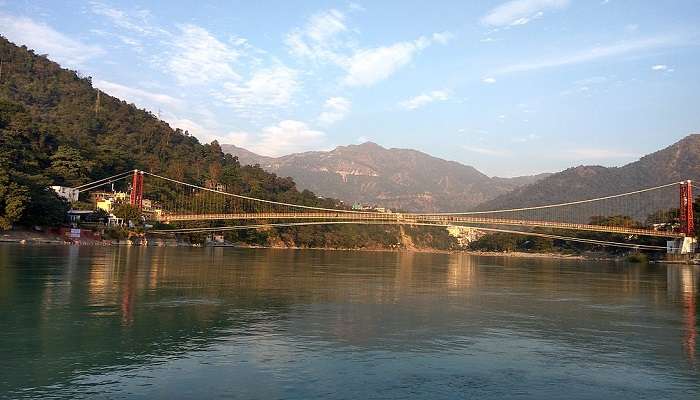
[
  {"x": 45, "y": 207},
  {"x": 127, "y": 212},
  {"x": 13, "y": 200},
  {"x": 69, "y": 167},
  {"x": 215, "y": 172}
]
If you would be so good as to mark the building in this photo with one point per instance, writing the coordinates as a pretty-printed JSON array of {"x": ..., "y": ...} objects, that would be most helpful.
[
  {"x": 85, "y": 216},
  {"x": 685, "y": 245},
  {"x": 70, "y": 194},
  {"x": 76, "y": 216},
  {"x": 464, "y": 234},
  {"x": 210, "y": 184},
  {"x": 108, "y": 200}
]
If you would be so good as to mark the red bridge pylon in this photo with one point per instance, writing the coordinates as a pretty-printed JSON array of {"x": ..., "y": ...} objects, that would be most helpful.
[
  {"x": 686, "y": 209},
  {"x": 136, "y": 198}
]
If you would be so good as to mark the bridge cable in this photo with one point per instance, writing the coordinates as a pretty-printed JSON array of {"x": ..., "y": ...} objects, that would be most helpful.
[
  {"x": 271, "y": 202},
  {"x": 101, "y": 182}
]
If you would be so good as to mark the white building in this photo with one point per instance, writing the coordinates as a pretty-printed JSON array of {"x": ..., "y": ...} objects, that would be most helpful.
[
  {"x": 464, "y": 234},
  {"x": 67, "y": 193}
]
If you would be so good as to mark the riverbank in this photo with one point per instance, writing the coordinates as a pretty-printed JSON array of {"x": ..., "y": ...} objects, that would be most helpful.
[
  {"x": 54, "y": 237},
  {"x": 46, "y": 238},
  {"x": 30, "y": 237}
]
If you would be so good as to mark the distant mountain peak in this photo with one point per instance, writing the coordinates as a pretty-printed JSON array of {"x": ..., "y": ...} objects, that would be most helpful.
[
  {"x": 396, "y": 178},
  {"x": 369, "y": 144}
]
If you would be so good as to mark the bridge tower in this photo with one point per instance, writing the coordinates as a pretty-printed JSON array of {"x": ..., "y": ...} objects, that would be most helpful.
[
  {"x": 686, "y": 209},
  {"x": 136, "y": 198},
  {"x": 688, "y": 243}
]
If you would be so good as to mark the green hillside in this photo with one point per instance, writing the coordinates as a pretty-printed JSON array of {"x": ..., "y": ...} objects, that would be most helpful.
[{"x": 52, "y": 131}]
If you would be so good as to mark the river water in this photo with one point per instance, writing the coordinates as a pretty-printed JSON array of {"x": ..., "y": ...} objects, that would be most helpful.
[{"x": 134, "y": 322}]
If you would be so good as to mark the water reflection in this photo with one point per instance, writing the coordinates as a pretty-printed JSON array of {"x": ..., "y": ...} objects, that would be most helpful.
[
  {"x": 683, "y": 287},
  {"x": 77, "y": 314}
]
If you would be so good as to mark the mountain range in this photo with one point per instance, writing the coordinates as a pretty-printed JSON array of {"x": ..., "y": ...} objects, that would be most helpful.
[
  {"x": 415, "y": 181},
  {"x": 396, "y": 178}
]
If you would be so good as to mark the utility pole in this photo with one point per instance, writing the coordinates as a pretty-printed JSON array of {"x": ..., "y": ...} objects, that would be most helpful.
[{"x": 1, "y": 62}]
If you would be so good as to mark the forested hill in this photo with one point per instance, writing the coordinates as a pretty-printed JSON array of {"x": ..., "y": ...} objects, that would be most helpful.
[
  {"x": 676, "y": 162},
  {"x": 53, "y": 133}
]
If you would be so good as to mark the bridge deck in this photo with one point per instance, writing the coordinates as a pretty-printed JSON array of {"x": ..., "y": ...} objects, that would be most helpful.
[{"x": 405, "y": 218}]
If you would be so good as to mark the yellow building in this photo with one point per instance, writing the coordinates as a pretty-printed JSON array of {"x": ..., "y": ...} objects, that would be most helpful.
[{"x": 107, "y": 200}]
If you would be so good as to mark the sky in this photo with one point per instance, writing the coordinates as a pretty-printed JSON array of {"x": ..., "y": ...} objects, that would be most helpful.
[{"x": 510, "y": 87}]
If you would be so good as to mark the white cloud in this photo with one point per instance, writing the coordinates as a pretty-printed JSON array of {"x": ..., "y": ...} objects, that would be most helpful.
[
  {"x": 369, "y": 66},
  {"x": 199, "y": 57},
  {"x": 137, "y": 22},
  {"x": 326, "y": 39},
  {"x": 589, "y": 55},
  {"x": 442, "y": 37},
  {"x": 335, "y": 109},
  {"x": 424, "y": 99},
  {"x": 325, "y": 25},
  {"x": 202, "y": 133},
  {"x": 520, "y": 12},
  {"x": 238, "y": 138},
  {"x": 286, "y": 137},
  {"x": 137, "y": 96},
  {"x": 662, "y": 68},
  {"x": 317, "y": 40},
  {"x": 272, "y": 86},
  {"x": 489, "y": 80},
  {"x": 44, "y": 39}
]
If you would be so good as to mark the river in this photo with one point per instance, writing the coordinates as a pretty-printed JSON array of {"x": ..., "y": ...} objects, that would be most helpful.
[{"x": 145, "y": 323}]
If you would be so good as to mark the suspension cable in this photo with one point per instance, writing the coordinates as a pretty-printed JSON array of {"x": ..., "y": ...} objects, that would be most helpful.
[
  {"x": 250, "y": 198},
  {"x": 416, "y": 214},
  {"x": 571, "y": 203},
  {"x": 100, "y": 182}
]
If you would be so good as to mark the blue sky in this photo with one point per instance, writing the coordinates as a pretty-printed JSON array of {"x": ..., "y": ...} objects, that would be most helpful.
[{"x": 510, "y": 87}]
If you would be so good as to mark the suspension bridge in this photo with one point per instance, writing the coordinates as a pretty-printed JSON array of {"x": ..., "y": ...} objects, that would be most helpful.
[{"x": 664, "y": 211}]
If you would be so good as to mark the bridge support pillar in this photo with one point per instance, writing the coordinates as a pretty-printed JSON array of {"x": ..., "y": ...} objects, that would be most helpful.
[
  {"x": 136, "y": 198},
  {"x": 685, "y": 245}
]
